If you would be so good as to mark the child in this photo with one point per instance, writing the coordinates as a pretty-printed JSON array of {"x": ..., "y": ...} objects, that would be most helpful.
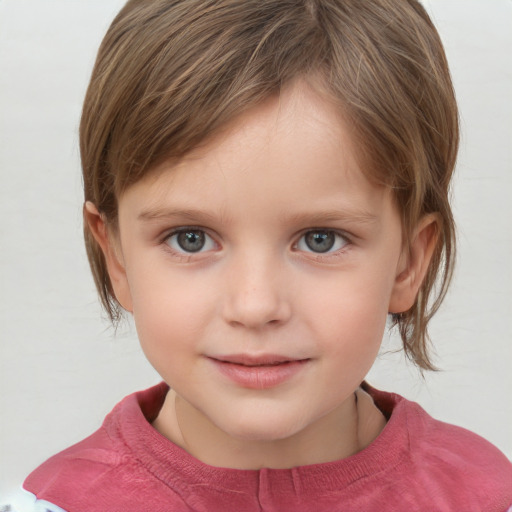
[{"x": 265, "y": 182}]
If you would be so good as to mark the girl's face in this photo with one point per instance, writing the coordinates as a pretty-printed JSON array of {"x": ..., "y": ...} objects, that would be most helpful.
[{"x": 260, "y": 270}]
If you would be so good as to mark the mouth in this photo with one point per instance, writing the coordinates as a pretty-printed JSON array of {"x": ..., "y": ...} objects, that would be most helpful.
[
  {"x": 259, "y": 360},
  {"x": 258, "y": 372}
]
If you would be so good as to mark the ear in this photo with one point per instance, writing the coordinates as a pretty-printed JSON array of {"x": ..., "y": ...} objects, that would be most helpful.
[
  {"x": 111, "y": 248},
  {"x": 414, "y": 264}
]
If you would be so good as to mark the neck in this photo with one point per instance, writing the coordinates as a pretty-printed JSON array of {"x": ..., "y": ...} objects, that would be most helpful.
[{"x": 339, "y": 434}]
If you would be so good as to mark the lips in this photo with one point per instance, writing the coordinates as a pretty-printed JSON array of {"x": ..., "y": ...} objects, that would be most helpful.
[
  {"x": 258, "y": 372},
  {"x": 260, "y": 360}
]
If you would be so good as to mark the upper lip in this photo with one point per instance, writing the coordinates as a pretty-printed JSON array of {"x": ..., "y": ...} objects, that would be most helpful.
[{"x": 256, "y": 360}]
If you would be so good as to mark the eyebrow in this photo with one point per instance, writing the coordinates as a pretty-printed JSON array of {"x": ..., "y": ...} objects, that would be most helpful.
[
  {"x": 167, "y": 213},
  {"x": 357, "y": 216},
  {"x": 339, "y": 215}
]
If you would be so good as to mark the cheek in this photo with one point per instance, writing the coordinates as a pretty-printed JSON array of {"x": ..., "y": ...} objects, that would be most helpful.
[
  {"x": 354, "y": 300},
  {"x": 171, "y": 309},
  {"x": 350, "y": 317}
]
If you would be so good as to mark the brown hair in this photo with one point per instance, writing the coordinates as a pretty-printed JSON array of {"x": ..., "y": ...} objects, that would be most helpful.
[{"x": 171, "y": 72}]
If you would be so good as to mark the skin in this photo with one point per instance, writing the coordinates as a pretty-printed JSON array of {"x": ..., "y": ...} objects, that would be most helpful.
[{"x": 283, "y": 170}]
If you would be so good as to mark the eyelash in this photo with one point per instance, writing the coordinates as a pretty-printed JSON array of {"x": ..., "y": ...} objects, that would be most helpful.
[
  {"x": 187, "y": 255},
  {"x": 339, "y": 238},
  {"x": 182, "y": 230}
]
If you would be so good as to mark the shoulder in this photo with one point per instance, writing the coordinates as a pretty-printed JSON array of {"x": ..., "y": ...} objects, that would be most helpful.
[
  {"x": 101, "y": 471},
  {"x": 91, "y": 458},
  {"x": 438, "y": 443},
  {"x": 456, "y": 458},
  {"x": 71, "y": 476},
  {"x": 452, "y": 463}
]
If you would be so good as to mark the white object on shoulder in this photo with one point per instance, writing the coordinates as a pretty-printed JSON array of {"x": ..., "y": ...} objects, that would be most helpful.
[{"x": 24, "y": 501}]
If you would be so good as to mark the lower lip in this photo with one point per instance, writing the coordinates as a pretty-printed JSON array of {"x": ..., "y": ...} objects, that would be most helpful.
[{"x": 260, "y": 377}]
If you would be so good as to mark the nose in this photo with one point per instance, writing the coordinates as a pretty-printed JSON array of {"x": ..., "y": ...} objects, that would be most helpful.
[{"x": 256, "y": 294}]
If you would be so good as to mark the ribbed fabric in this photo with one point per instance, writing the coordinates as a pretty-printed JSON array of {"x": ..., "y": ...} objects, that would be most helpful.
[{"x": 416, "y": 463}]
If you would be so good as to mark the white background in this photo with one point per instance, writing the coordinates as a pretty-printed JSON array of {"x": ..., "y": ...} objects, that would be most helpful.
[{"x": 61, "y": 367}]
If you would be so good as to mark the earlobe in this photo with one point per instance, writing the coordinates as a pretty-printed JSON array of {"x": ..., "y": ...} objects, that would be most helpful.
[
  {"x": 417, "y": 260},
  {"x": 111, "y": 251}
]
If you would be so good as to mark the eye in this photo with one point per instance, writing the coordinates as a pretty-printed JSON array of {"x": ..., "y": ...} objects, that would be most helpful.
[
  {"x": 321, "y": 241},
  {"x": 190, "y": 241}
]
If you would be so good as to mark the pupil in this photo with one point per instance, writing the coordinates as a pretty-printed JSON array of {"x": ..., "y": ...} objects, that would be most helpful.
[
  {"x": 320, "y": 241},
  {"x": 191, "y": 241}
]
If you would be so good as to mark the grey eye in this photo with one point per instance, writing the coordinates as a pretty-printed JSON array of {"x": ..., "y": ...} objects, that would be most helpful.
[
  {"x": 190, "y": 241},
  {"x": 321, "y": 241}
]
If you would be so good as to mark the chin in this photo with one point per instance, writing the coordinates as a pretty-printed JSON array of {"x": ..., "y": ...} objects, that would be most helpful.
[{"x": 262, "y": 429}]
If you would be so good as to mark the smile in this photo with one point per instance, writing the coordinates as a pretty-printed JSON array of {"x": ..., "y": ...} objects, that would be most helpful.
[{"x": 258, "y": 372}]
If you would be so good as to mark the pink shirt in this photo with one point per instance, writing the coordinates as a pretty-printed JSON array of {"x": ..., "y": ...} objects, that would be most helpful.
[{"x": 416, "y": 463}]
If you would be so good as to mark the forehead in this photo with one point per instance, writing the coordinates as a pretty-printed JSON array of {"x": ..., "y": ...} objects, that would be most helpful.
[{"x": 292, "y": 151}]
